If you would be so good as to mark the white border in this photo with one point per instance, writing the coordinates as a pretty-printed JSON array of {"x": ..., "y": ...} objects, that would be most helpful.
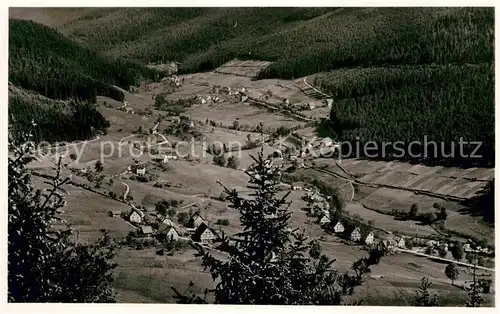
[{"x": 162, "y": 308}]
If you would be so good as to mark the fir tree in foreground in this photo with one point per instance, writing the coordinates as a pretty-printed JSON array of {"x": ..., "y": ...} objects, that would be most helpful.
[
  {"x": 267, "y": 262},
  {"x": 44, "y": 265},
  {"x": 423, "y": 296}
]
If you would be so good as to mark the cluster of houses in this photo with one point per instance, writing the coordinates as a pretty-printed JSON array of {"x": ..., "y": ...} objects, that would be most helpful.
[
  {"x": 218, "y": 91},
  {"x": 152, "y": 224},
  {"x": 307, "y": 105},
  {"x": 346, "y": 229}
]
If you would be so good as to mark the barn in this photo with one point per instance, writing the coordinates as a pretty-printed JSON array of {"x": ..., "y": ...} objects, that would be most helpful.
[{"x": 204, "y": 234}]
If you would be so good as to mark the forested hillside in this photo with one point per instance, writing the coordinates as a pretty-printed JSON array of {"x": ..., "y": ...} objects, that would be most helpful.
[
  {"x": 301, "y": 41},
  {"x": 397, "y": 74},
  {"x": 441, "y": 89},
  {"x": 43, "y": 60},
  {"x": 54, "y": 120}
]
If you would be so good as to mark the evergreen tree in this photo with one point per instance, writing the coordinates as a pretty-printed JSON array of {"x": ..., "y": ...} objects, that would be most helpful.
[
  {"x": 232, "y": 162},
  {"x": 452, "y": 272},
  {"x": 269, "y": 263},
  {"x": 423, "y": 296},
  {"x": 44, "y": 263},
  {"x": 457, "y": 251},
  {"x": 98, "y": 166},
  {"x": 413, "y": 210},
  {"x": 476, "y": 299}
]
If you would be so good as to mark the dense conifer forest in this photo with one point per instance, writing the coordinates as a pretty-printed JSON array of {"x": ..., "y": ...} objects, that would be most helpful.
[{"x": 43, "y": 60}]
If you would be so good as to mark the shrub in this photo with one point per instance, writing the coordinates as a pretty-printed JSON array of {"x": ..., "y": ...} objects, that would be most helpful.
[
  {"x": 232, "y": 162},
  {"x": 222, "y": 222},
  {"x": 220, "y": 160}
]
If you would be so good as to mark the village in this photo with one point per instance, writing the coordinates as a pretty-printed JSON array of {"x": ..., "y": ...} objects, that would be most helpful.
[{"x": 212, "y": 112}]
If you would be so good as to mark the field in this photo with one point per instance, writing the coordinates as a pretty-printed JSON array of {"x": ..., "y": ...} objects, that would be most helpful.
[
  {"x": 391, "y": 74},
  {"x": 195, "y": 183}
]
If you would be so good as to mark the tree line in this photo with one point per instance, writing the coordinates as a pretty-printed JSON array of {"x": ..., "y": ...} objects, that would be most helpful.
[
  {"x": 447, "y": 104},
  {"x": 55, "y": 121}
]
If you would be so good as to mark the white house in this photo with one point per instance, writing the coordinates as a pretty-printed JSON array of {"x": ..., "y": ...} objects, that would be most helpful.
[
  {"x": 355, "y": 235},
  {"x": 140, "y": 170},
  {"x": 339, "y": 227},
  {"x": 196, "y": 220},
  {"x": 431, "y": 243},
  {"x": 315, "y": 197},
  {"x": 400, "y": 241},
  {"x": 324, "y": 220},
  {"x": 387, "y": 245},
  {"x": 369, "y": 238},
  {"x": 135, "y": 216},
  {"x": 167, "y": 221}
]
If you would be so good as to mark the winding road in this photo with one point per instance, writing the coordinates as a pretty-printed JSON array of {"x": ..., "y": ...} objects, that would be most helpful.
[{"x": 446, "y": 260}]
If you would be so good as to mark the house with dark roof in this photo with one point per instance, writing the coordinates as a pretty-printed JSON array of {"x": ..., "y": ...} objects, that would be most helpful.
[
  {"x": 136, "y": 216},
  {"x": 204, "y": 234},
  {"x": 147, "y": 230},
  {"x": 169, "y": 232},
  {"x": 115, "y": 213},
  {"x": 196, "y": 220}
]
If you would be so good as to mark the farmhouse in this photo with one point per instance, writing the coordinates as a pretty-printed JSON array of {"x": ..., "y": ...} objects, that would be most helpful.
[
  {"x": 196, "y": 220},
  {"x": 324, "y": 220},
  {"x": 368, "y": 238},
  {"x": 388, "y": 245},
  {"x": 443, "y": 246},
  {"x": 169, "y": 231},
  {"x": 399, "y": 241},
  {"x": 204, "y": 234},
  {"x": 382, "y": 245},
  {"x": 355, "y": 235},
  {"x": 140, "y": 170},
  {"x": 160, "y": 158},
  {"x": 167, "y": 221},
  {"x": 136, "y": 216},
  {"x": 339, "y": 227},
  {"x": 115, "y": 213},
  {"x": 315, "y": 197},
  {"x": 147, "y": 230}
]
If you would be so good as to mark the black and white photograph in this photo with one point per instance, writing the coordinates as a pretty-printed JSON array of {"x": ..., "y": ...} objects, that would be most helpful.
[{"x": 338, "y": 156}]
